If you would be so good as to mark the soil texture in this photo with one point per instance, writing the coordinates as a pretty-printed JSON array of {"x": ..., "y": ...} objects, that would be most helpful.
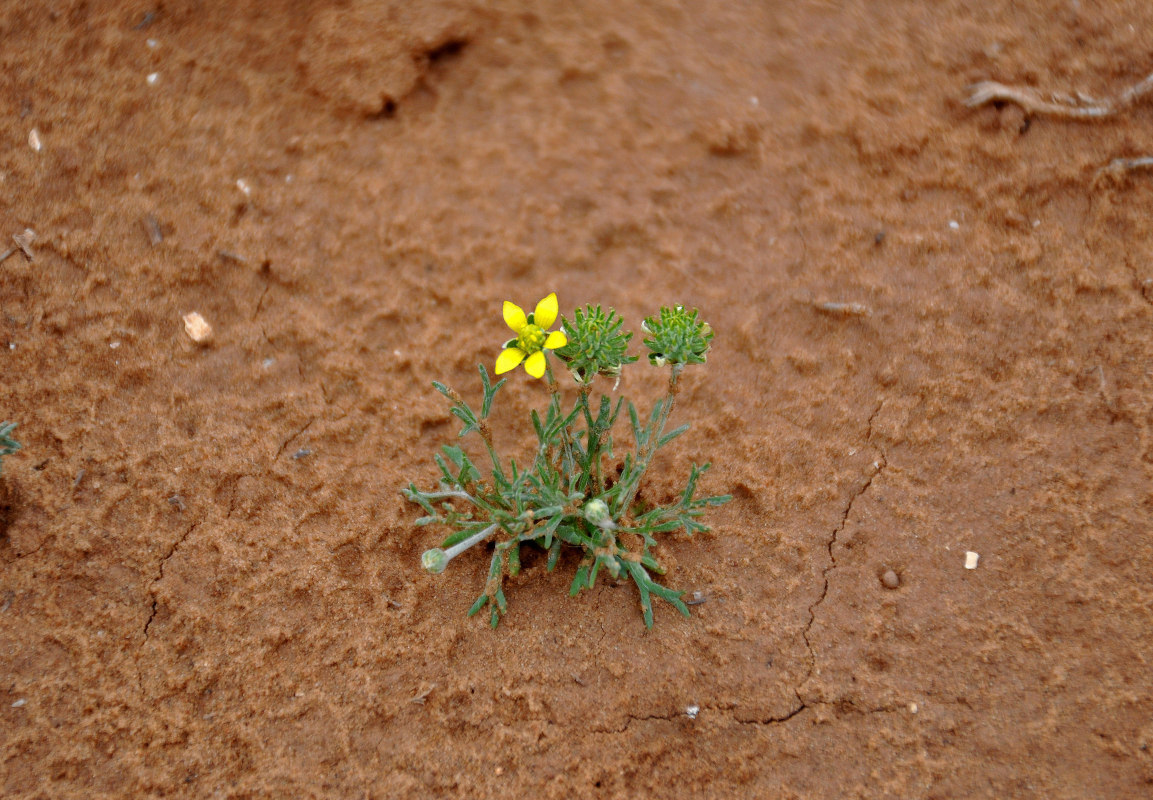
[{"x": 934, "y": 336}]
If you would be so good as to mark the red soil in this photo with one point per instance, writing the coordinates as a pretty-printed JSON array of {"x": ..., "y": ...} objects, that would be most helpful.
[{"x": 194, "y": 607}]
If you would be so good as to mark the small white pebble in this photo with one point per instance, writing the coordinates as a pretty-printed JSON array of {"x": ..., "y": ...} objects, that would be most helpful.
[
  {"x": 12, "y": 345},
  {"x": 152, "y": 78},
  {"x": 692, "y": 711},
  {"x": 1036, "y": 223},
  {"x": 152, "y": 43},
  {"x": 19, "y": 703},
  {"x": 243, "y": 186},
  {"x": 34, "y": 140},
  {"x": 954, "y": 224},
  {"x": 971, "y": 559},
  {"x": 268, "y": 362},
  {"x": 913, "y": 708},
  {"x": 288, "y": 179},
  {"x": 197, "y": 328},
  {"x": 396, "y": 353},
  {"x": 114, "y": 345},
  {"x": 754, "y": 100}
]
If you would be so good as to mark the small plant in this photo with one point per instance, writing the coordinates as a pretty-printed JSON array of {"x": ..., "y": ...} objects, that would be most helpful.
[
  {"x": 8, "y": 445},
  {"x": 573, "y": 491}
]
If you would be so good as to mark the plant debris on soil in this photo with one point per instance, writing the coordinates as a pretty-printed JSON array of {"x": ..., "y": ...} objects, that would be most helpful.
[{"x": 934, "y": 336}]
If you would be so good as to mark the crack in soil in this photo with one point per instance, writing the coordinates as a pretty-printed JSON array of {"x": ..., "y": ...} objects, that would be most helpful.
[
  {"x": 631, "y": 718},
  {"x": 260, "y": 302},
  {"x": 847, "y": 708},
  {"x": 160, "y": 575},
  {"x": 878, "y": 467},
  {"x": 801, "y": 706},
  {"x": 292, "y": 437},
  {"x": 1144, "y": 286},
  {"x": 31, "y": 552}
]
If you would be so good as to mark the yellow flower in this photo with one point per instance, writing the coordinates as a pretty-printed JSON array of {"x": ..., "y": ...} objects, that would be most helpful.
[{"x": 532, "y": 338}]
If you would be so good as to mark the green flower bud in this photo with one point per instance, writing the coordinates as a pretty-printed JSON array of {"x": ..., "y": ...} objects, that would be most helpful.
[
  {"x": 677, "y": 337},
  {"x": 597, "y": 513},
  {"x": 434, "y": 560},
  {"x": 596, "y": 345}
]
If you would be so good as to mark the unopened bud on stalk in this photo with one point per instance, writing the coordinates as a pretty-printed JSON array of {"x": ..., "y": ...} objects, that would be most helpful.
[
  {"x": 597, "y": 513},
  {"x": 436, "y": 559}
]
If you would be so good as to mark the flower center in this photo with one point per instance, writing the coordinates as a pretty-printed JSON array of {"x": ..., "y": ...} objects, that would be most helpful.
[{"x": 531, "y": 339}]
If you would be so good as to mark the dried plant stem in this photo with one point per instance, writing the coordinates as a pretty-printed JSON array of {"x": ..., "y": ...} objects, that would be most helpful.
[{"x": 1062, "y": 106}]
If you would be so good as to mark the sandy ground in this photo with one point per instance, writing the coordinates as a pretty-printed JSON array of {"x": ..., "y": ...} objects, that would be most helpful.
[{"x": 210, "y": 583}]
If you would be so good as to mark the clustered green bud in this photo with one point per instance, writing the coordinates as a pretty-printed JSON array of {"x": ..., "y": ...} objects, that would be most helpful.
[
  {"x": 596, "y": 345},
  {"x": 678, "y": 337}
]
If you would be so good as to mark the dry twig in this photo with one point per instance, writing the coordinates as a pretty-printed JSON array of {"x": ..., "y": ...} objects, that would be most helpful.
[
  {"x": 843, "y": 309},
  {"x": 1059, "y": 105},
  {"x": 24, "y": 242},
  {"x": 1119, "y": 167}
]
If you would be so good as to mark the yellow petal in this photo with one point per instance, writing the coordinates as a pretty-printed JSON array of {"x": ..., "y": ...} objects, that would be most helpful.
[
  {"x": 508, "y": 359},
  {"x": 555, "y": 339},
  {"x": 514, "y": 317},
  {"x": 535, "y": 364},
  {"x": 545, "y": 314}
]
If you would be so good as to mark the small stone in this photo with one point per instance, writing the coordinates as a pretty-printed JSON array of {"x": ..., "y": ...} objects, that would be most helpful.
[
  {"x": 34, "y": 140},
  {"x": 197, "y": 328},
  {"x": 692, "y": 711},
  {"x": 890, "y": 579},
  {"x": 971, "y": 559}
]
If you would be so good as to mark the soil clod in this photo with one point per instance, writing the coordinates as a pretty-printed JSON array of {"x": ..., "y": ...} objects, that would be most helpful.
[{"x": 197, "y": 328}]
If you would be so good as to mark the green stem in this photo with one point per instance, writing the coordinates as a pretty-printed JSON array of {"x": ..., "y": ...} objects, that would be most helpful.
[
  {"x": 463, "y": 495},
  {"x": 593, "y": 442},
  {"x": 486, "y": 436},
  {"x": 651, "y": 444},
  {"x": 436, "y": 559},
  {"x": 566, "y": 434}
]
